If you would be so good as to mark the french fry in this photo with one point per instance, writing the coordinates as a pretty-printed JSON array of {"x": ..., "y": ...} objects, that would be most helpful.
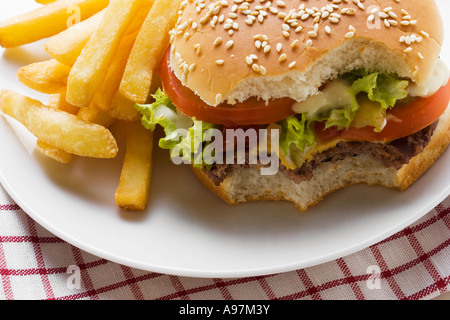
[
  {"x": 47, "y": 77},
  {"x": 45, "y": 1},
  {"x": 135, "y": 179},
  {"x": 58, "y": 128},
  {"x": 46, "y": 21},
  {"x": 66, "y": 46},
  {"x": 91, "y": 67},
  {"x": 48, "y": 150},
  {"x": 149, "y": 48},
  {"x": 96, "y": 115},
  {"x": 105, "y": 94},
  {"x": 53, "y": 152},
  {"x": 123, "y": 109},
  {"x": 58, "y": 101}
]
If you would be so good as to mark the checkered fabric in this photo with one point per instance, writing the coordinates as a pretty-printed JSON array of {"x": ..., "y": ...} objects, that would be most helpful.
[{"x": 412, "y": 264}]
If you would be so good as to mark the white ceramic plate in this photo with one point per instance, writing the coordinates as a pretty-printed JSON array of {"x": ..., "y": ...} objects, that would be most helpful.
[{"x": 186, "y": 230}]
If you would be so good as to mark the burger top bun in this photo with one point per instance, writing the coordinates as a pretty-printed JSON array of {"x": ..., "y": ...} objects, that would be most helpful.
[{"x": 229, "y": 51}]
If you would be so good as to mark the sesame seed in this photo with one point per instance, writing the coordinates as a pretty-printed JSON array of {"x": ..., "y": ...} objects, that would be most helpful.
[
  {"x": 262, "y": 70},
  {"x": 425, "y": 34},
  {"x": 220, "y": 62},
  {"x": 283, "y": 57},
  {"x": 392, "y": 14},
  {"x": 217, "y": 42},
  {"x": 218, "y": 98},
  {"x": 229, "y": 44},
  {"x": 334, "y": 20},
  {"x": 279, "y": 47},
  {"x": 349, "y": 35},
  {"x": 393, "y": 22}
]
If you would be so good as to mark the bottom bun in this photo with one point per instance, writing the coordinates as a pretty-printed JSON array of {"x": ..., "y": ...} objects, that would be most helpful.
[{"x": 245, "y": 184}]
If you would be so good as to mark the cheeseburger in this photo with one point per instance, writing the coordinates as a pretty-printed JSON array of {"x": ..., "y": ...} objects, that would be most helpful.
[{"x": 355, "y": 89}]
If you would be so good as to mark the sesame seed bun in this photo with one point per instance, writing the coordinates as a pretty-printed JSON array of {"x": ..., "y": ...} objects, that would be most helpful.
[{"x": 268, "y": 50}]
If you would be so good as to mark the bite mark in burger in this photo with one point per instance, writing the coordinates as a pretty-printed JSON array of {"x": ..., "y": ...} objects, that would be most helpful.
[{"x": 353, "y": 103}]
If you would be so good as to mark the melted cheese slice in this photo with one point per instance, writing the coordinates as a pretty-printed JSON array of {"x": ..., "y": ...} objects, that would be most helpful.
[{"x": 309, "y": 153}]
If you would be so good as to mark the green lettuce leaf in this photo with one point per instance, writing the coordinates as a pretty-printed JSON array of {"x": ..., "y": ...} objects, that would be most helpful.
[
  {"x": 296, "y": 134},
  {"x": 191, "y": 146},
  {"x": 179, "y": 129},
  {"x": 381, "y": 87},
  {"x": 343, "y": 117}
]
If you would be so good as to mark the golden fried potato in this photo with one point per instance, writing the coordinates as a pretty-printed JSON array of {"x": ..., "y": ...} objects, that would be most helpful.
[
  {"x": 45, "y": 22},
  {"x": 66, "y": 46},
  {"x": 47, "y": 76},
  {"x": 58, "y": 128},
  {"x": 135, "y": 180},
  {"x": 53, "y": 152},
  {"x": 149, "y": 48},
  {"x": 91, "y": 67}
]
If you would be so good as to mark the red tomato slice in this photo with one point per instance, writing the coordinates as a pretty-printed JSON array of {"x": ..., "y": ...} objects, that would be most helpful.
[
  {"x": 252, "y": 112},
  {"x": 402, "y": 120}
]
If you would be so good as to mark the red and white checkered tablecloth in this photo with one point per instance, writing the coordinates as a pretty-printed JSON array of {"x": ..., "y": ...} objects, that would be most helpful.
[{"x": 412, "y": 264}]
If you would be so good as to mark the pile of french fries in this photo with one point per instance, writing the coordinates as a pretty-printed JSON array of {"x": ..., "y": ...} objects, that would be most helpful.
[{"x": 100, "y": 66}]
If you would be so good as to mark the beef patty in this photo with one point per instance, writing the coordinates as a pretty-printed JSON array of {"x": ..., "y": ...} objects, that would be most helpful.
[{"x": 393, "y": 154}]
